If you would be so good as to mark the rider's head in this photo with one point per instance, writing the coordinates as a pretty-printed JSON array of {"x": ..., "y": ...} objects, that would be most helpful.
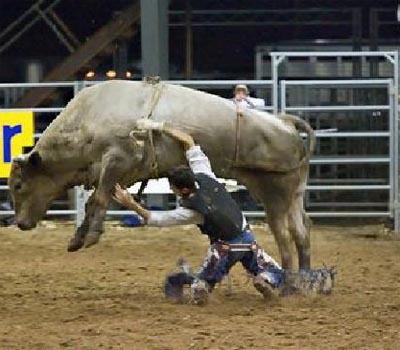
[{"x": 182, "y": 181}]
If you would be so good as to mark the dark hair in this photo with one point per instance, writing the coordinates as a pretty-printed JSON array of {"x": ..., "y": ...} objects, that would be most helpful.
[{"x": 182, "y": 177}]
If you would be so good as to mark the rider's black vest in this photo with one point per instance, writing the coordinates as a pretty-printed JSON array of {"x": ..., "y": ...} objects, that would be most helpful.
[{"x": 223, "y": 219}]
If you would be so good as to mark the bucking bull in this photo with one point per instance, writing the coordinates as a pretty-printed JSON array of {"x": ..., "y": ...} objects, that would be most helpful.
[{"x": 94, "y": 141}]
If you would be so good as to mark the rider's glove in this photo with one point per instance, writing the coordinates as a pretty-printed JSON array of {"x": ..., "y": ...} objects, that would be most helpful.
[{"x": 148, "y": 124}]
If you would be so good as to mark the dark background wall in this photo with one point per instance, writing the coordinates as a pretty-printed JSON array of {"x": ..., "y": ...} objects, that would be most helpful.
[{"x": 223, "y": 42}]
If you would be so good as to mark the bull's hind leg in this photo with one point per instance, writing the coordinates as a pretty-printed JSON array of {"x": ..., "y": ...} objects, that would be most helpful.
[
  {"x": 299, "y": 226},
  {"x": 275, "y": 193},
  {"x": 277, "y": 209},
  {"x": 299, "y": 222}
]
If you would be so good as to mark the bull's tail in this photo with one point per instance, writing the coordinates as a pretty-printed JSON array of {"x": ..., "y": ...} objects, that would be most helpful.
[{"x": 302, "y": 126}]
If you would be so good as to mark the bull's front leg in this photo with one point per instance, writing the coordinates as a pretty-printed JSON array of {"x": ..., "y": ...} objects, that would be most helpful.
[
  {"x": 115, "y": 165},
  {"x": 96, "y": 222},
  {"x": 92, "y": 214}
]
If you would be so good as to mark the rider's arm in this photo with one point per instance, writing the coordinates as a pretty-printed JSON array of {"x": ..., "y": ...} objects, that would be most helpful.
[
  {"x": 123, "y": 197},
  {"x": 179, "y": 216},
  {"x": 185, "y": 139},
  {"x": 198, "y": 161}
]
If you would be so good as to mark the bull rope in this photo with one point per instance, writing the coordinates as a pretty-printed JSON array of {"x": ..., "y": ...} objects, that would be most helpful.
[
  {"x": 239, "y": 116},
  {"x": 155, "y": 97}
]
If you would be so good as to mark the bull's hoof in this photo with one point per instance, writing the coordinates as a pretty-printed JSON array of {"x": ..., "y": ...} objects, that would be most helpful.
[
  {"x": 199, "y": 293},
  {"x": 75, "y": 244},
  {"x": 91, "y": 239}
]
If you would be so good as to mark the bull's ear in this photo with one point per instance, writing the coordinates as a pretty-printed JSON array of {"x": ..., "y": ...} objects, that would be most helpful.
[{"x": 35, "y": 160}]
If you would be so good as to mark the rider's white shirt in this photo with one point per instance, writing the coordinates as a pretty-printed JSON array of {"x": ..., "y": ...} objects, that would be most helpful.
[{"x": 199, "y": 163}]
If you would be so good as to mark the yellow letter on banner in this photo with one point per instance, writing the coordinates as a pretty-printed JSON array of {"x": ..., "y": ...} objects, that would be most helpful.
[{"x": 17, "y": 132}]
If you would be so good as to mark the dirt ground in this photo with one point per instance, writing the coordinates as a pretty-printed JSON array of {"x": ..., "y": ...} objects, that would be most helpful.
[{"x": 110, "y": 296}]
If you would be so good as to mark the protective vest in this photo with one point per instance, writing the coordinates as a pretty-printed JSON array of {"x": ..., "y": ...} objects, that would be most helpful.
[{"x": 223, "y": 218}]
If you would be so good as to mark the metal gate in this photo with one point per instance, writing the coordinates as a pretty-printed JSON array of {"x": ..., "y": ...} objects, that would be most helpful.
[{"x": 380, "y": 123}]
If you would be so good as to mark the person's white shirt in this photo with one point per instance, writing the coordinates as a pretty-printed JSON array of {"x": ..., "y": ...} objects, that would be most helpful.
[
  {"x": 251, "y": 102},
  {"x": 199, "y": 163}
]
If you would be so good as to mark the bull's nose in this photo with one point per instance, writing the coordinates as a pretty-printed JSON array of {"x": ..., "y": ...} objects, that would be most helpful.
[{"x": 24, "y": 226}]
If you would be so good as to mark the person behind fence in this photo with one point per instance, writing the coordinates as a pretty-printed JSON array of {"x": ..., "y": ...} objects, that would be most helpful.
[
  {"x": 206, "y": 203},
  {"x": 241, "y": 96}
]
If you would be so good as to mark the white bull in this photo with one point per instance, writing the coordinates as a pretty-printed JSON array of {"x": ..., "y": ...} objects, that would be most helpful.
[{"x": 91, "y": 143}]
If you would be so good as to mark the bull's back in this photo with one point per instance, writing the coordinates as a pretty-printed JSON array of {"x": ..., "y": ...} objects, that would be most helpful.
[
  {"x": 212, "y": 120},
  {"x": 115, "y": 105},
  {"x": 125, "y": 101},
  {"x": 100, "y": 115}
]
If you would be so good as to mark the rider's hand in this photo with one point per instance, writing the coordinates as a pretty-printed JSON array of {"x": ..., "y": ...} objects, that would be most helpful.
[
  {"x": 148, "y": 124},
  {"x": 123, "y": 197},
  {"x": 183, "y": 137}
]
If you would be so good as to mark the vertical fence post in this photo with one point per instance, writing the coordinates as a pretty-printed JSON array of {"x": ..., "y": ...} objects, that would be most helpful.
[
  {"x": 393, "y": 58},
  {"x": 80, "y": 201},
  {"x": 395, "y": 96},
  {"x": 392, "y": 146},
  {"x": 283, "y": 96},
  {"x": 276, "y": 61}
]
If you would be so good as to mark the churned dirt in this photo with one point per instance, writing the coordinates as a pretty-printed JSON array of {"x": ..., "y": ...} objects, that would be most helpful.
[{"x": 110, "y": 296}]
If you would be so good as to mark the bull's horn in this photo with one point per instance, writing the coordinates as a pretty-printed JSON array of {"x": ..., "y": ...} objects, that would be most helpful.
[{"x": 19, "y": 159}]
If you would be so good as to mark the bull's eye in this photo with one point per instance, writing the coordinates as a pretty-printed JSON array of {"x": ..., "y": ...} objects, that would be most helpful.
[{"x": 17, "y": 186}]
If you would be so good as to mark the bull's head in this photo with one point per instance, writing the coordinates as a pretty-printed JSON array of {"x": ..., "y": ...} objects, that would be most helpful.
[{"x": 31, "y": 189}]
